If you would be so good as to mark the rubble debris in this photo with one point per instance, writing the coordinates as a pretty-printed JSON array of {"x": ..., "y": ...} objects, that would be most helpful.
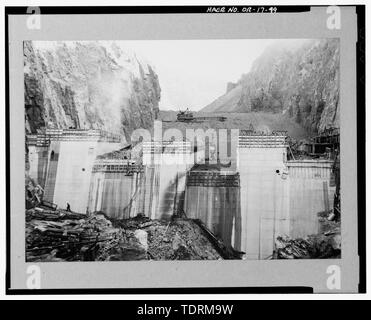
[
  {"x": 287, "y": 248},
  {"x": 324, "y": 245},
  {"x": 34, "y": 192},
  {"x": 49, "y": 215},
  {"x": 64, "y": 235},
  {"x": 59, "y": 235},
  {"x": 314, "y": 247},
  {"x": 142, "y": 237},
  {"x": 178, "y": 239}
]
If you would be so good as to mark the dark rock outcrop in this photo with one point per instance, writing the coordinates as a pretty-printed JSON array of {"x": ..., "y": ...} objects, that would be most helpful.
[
  {"x": 88, "y": 85},
  {"x": 301, "y": 81}
]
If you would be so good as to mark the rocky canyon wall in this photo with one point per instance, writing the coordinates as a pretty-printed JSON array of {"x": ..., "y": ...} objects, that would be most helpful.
[
  {"x": 300, "y": 80},
  {"x": 88, "y": 85}
]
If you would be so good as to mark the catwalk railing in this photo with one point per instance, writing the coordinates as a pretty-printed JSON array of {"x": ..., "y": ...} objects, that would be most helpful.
[
  {"x": 262, "y": 141},
  {"x": 44, "y": 138},
  {"x": 116, "y": 165}
]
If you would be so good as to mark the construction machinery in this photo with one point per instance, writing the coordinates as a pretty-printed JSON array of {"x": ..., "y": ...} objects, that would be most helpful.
[{"x": 187, "y": 116}]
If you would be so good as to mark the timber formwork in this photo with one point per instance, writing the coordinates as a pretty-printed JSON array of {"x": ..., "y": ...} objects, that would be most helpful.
[
  {"x": 125, "y": 166},
  {"x": 212, "y": 179},
  {"x": 262, "y": 141}
]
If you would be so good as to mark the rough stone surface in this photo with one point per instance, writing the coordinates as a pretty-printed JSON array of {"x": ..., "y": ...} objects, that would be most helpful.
[
  {"x": 301, "y": 81},
  {"x": 88, "y": 85}
]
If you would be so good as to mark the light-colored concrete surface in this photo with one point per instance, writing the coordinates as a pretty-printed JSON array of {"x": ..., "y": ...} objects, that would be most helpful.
[
  {"x": 310, "y": 193},
  {"x": 278, "y": 197},
  {"x": 264, "y": 199},
  {"x": 218, "y": 208}
]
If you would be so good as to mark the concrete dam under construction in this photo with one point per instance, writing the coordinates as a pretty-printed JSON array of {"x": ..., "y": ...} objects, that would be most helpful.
[{"x": 264, "y": 195}]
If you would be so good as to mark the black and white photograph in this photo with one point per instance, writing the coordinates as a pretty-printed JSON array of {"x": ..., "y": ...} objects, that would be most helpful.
[
  {"x": 182, "y": 150},
  {"x": 185, "y": 149}
]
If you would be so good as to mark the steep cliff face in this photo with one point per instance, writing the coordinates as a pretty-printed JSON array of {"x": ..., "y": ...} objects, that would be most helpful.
[
  {"x": 301, "y": 81},
  {"x": 88, "y": 85}
]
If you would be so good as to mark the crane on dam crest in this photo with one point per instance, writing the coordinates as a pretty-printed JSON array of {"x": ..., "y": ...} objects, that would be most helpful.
[{"x": 188, "y": 116}]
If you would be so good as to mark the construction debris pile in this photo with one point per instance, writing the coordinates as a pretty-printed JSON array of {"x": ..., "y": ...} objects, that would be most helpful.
[
  {"x": 325, "y": 145},
  {"x": 59, "y": 235},
  {"x": 325, "y": 245},
  {"x": 33, "y": 192},
  {"x": 178, "y": 239}
]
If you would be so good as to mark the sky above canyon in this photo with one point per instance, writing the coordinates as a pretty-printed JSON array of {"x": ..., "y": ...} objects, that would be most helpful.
[{"x": 193, "y": 73}]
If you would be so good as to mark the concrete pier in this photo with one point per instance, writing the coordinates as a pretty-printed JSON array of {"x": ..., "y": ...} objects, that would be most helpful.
[
  {"x": 167, "y": 165},
  {"x": 309, "y": 193},
  {"x": 262, "y": 197},
  {"x": 155, "y": 189},
  {"x": 68, "y": 157},
  {"x": 264, "y": 200},
  {"x": 114, "y": 188},
  {"x": 279, "y": 197},
  {"x": 214, "y": 198}
]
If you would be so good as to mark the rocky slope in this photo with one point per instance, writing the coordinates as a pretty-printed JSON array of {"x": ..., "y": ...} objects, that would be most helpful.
[
  {"x": 301, "y": 81},
  {"x": 88, "y": 85}
]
